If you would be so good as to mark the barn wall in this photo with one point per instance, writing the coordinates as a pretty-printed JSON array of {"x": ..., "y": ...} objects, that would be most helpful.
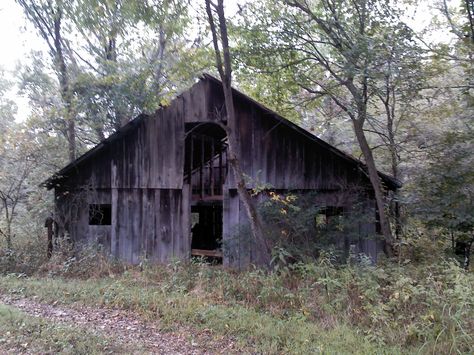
[
  {"x": 235, "y": 246},
  {"x": 141, "y": 175},
  {"x": 93, "y": 174},
  {"x": 150, "y": 223},
  {"x": 195, "y": 103},
  {"x": 276, "y": 154},
  {"x": 153, "y": 155},
  {"x": 72, "y": 216},
  {"x": 149, "y": 155},
  {"x": 240, "y": 250}
]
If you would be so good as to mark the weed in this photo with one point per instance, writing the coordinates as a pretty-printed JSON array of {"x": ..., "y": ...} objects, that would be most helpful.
[{"x": 300, "y": 308}]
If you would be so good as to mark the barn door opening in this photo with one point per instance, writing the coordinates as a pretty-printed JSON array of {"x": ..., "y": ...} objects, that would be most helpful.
[
  {"x": 205, "y": 171},
  {"x": 206, "y": 230}
]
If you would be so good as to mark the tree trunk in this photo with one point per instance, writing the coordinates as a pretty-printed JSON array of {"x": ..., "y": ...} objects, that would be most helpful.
[
  {"x": 8, "y": 229},
  {"x": 467, "y": 254},
  {"x": 62, "y": 74},
  {"x": 225, "y": 71},
  {"x": 159, "y": 56},
  {"x": 395, "y": 206},
  {"x": 377, "y": 186},
  {"x": 392, "y": 146}
]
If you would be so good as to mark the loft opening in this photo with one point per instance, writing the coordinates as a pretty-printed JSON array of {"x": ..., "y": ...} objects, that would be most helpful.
[{"x": 205, "y": 163}]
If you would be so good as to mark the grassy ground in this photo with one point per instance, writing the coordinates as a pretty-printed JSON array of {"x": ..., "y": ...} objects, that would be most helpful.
[
  {"x": 308, "y": 309},
  {"x": 258, "y": 331},
  {"x": 21, "y": 333},
  {"x": 298, "y": 309}
]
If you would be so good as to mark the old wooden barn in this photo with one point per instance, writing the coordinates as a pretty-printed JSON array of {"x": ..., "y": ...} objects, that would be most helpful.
[{"x": 160, "y": 187}]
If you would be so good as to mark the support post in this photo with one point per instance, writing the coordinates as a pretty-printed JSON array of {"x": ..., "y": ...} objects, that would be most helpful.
[
  {"x": 201, "y": 169},
  {"x": 49, "y": 225}
]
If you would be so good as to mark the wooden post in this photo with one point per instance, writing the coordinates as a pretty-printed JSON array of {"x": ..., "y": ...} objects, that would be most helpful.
[
  {"x": 221, "y": 179},
  {"x": 191, "y": 163},
  {"x": 211, "y": 167},
  {"x": 191, "y": 158},
  {"x": 49, "y": 224},
  {"x": 201, "y": 168}
]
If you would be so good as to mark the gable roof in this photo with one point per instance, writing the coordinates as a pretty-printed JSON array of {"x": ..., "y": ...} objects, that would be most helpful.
[{"x": 390, "y": 182}]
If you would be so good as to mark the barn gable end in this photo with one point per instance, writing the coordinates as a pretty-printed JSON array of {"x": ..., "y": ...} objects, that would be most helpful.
[{"x": 160, "y": 170}]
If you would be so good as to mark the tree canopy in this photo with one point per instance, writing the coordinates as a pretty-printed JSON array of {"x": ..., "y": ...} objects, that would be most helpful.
[{"x": 357, "y": 74}]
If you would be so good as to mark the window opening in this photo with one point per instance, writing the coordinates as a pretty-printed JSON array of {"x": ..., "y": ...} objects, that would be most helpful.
[
  {"x": 330, "y": 216},
  {"x": 100, "y": 214}
]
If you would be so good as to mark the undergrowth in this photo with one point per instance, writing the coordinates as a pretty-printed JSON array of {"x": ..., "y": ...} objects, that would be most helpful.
[{"x": 299, "y": 308}]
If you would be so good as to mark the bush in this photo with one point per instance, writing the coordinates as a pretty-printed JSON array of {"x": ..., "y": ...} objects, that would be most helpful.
[
  {"x": 26, "y": 256},
  {"x": 302, "y": 229}
]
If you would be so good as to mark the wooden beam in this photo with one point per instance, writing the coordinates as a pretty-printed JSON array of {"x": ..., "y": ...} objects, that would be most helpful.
[
  {"x": 203, "y": 252},
  {"x": 207, "y": 198}
]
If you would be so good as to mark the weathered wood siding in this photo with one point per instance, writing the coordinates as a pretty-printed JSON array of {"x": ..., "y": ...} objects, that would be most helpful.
[
  {"x": 195, "y": 102},
  {"x": 236, "y": 238},
  {"x": 148, "y": 154},
  {"x": 72, "y": 210},
  {"x": 274, "y": 153},
  {"x": 150, "y": 223},
  {"x": 153, "y": 155},
  {"x": 95, "y": 173},
  {"x": 141, "y": 176}
]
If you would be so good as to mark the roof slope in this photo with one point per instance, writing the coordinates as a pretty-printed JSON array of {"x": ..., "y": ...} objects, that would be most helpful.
[{"x": 389, "y": 181}]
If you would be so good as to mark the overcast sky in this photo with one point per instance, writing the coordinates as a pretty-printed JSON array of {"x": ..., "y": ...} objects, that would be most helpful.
[{"x": 18, "y": 39}]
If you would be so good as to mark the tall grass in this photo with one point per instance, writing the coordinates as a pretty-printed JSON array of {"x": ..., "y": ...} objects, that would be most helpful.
[{"x": 301, "y": 308}]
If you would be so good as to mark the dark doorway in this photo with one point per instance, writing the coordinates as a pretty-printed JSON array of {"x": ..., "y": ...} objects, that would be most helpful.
[{"x": 206, "y": 229}]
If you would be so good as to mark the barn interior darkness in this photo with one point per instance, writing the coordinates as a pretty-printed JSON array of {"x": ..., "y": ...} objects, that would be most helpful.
[{"x": 205, "y": 170}]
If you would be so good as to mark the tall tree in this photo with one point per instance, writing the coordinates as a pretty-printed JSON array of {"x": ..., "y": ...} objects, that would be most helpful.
[
  {"x": 398, "y": 94},
  {"x": 17, "y": 162},
  {"x": 47, "y": 17},
  {"x": 223, "y": 64},
  {"x": 445, "y": 185},
  {"x": 337, "y": 50},
  {"x": 132, "y": 54}
]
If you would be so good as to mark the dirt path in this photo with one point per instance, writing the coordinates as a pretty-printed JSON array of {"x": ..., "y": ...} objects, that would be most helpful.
[{"x": 125, "y": 327}]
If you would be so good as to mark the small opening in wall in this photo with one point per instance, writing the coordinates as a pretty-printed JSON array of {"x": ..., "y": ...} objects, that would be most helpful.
[
  {"x": 330, "y": 216},
  {"x": 100, "y": 215}
]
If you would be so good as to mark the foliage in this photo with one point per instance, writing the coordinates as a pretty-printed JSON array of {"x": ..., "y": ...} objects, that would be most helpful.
[
  {"x": 302, "y": 229},
  {"x": 448, "y": 185},
  {"x": 301, "y": 308},
  {"x": 342, "y": 53},
  {"x": 446, "y": 193},
  {"x": 108, "y": 62}
]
